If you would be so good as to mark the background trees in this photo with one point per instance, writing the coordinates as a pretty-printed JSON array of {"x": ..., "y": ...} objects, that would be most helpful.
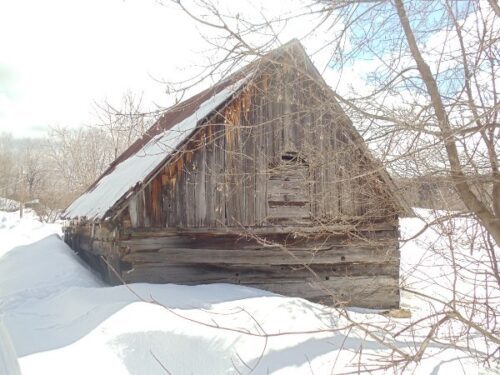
[
  {"x": 51, "y": 172},
  {"x": 125, "y": 122}
]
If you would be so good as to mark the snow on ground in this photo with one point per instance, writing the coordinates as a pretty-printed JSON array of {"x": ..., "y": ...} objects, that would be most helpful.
[
  {"x": 63, "y": 320},
  {"x": 428, "y": 262},
  {"x": 15, "y": 231}
]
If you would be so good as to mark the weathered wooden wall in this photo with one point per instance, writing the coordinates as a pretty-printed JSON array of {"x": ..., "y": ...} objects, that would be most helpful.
[
  {"x": 361, "y": 272},
  {"x": 96, "y": 244},
  {"x": 281, "y": 165},
  {"x": 281, "y": 153}
]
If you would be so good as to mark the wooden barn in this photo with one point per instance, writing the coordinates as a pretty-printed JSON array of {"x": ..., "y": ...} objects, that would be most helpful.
[{"x": 260, "y": 180}]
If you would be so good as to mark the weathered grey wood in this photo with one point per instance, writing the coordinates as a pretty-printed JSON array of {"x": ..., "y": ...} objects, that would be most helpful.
[
  {"x": 369, "y": 292},
  {"x": 156, "y": 201},
  {"x": 190, "y": 200},
  {"x": 91, "y": 245},
  {"x": 200, "y": 192},
  {"x": 210, "y": 179},
  {"x": 296, "y": 115},
  {"x": 260, "y": 158},
  {"x": 241, "y": 274},
  {"x": 289, "y": 212},
  {"x": 364, "y": 291},
  {"x": 134, "y": 212},
  {"x": 382, "y": 229},
  {"x": 379, "y": 239},
  {"x": 249, "y": 172},
  {"x": 279, "y": 161},
  {"x": 260, "y": 257},
  {"x": 220, "y": 167}
]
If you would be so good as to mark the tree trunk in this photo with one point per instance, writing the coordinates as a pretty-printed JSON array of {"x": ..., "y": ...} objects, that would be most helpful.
[{"x": 479, "y": 208}]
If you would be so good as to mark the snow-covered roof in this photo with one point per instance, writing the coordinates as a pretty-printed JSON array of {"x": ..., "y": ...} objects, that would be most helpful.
[{"x": 136, "y": 164}]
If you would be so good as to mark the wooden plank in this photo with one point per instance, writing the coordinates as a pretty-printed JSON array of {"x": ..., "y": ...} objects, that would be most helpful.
[
  {"x": 288, "y": 212},
  {"x": 90, "y": 245},
  {"x": 249, "y": 173},
  {"x": 145, "y": 210},
  {"x": 200, "y": 193},
  {"x": 169, "y": 204},
  {"x": 220, "y": 170},
  {"x": 373, "y": 230},
  {"x": 234, "y": 240},
  {"x": 369, "y": 292},
  {"x": 259, "y": 257},
  {"x": 104, "y": 233},
  {"x": 147, "y": 206},
  {"x": 277, "y": 186},
  {"x": 284, "y": 199},
  {"x": 133, "y": 212},
  {"x": 210, "y": 178},
  {"x": 363, "y": 291},
  {"x": 260, "y": 163},
  {"x": 241, "y": 274},
  {"x": 234, "y": 168},
  {"x": 182, "y": 197},
  {"x": 156, "y": 202},
  {"x": 292, "y": 171},
  {"x": 190, "y": 200}
]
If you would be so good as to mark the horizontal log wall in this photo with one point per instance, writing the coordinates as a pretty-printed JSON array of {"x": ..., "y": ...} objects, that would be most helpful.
[
  {"x": 96, "y": 244},
  {"x": 363, "y": 272},
  {"x": 360, "y": 269}
]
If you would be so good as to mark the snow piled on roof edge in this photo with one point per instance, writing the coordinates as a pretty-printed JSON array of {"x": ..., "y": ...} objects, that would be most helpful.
[{"x": 95, "y": 203}]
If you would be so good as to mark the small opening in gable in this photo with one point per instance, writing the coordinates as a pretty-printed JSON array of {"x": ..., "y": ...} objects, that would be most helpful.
[{"x": 292, "y": 157}]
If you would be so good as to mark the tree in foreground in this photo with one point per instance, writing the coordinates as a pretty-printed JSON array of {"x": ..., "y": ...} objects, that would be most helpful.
[{"x": 419, "y": 80}]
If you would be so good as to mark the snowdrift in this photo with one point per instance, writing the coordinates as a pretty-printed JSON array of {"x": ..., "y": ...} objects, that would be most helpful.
[{"x": 62, "y": 319}]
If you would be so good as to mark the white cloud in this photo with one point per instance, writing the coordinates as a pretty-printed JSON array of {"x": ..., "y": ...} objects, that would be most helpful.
[
  {"x": 64, "y": 55},
  {"x": 67, "y": 54}
]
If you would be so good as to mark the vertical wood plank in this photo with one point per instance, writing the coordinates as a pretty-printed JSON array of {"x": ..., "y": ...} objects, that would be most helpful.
[{"x": 210, "y": 177}]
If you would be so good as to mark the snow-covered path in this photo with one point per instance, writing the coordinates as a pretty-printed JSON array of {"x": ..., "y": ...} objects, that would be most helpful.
[{"x": 63, "y": 320}]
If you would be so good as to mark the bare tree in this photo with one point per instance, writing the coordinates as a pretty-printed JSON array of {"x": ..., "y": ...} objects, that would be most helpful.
[
  {"x": 424, "y": 96},
  {"x": 79, "y": 156},
  {"x": 7, "y": 168},
  {"x": 32, "y": 168},
  {"x": 54, "y": 171},
  {"x": 124, "y": 123},
  {"x": 419, "y": 98}
]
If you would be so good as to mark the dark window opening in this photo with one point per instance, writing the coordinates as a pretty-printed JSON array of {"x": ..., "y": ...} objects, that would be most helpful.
[{"x": 293, "y": 157}]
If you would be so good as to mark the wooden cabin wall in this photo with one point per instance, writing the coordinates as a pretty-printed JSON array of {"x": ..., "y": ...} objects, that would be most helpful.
[
  {"x": 282, "y": 160},
  {"x": 280, "y": 154},
  {"x": 359, "y": 272},
  {"x": 96, "y": 244}
]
